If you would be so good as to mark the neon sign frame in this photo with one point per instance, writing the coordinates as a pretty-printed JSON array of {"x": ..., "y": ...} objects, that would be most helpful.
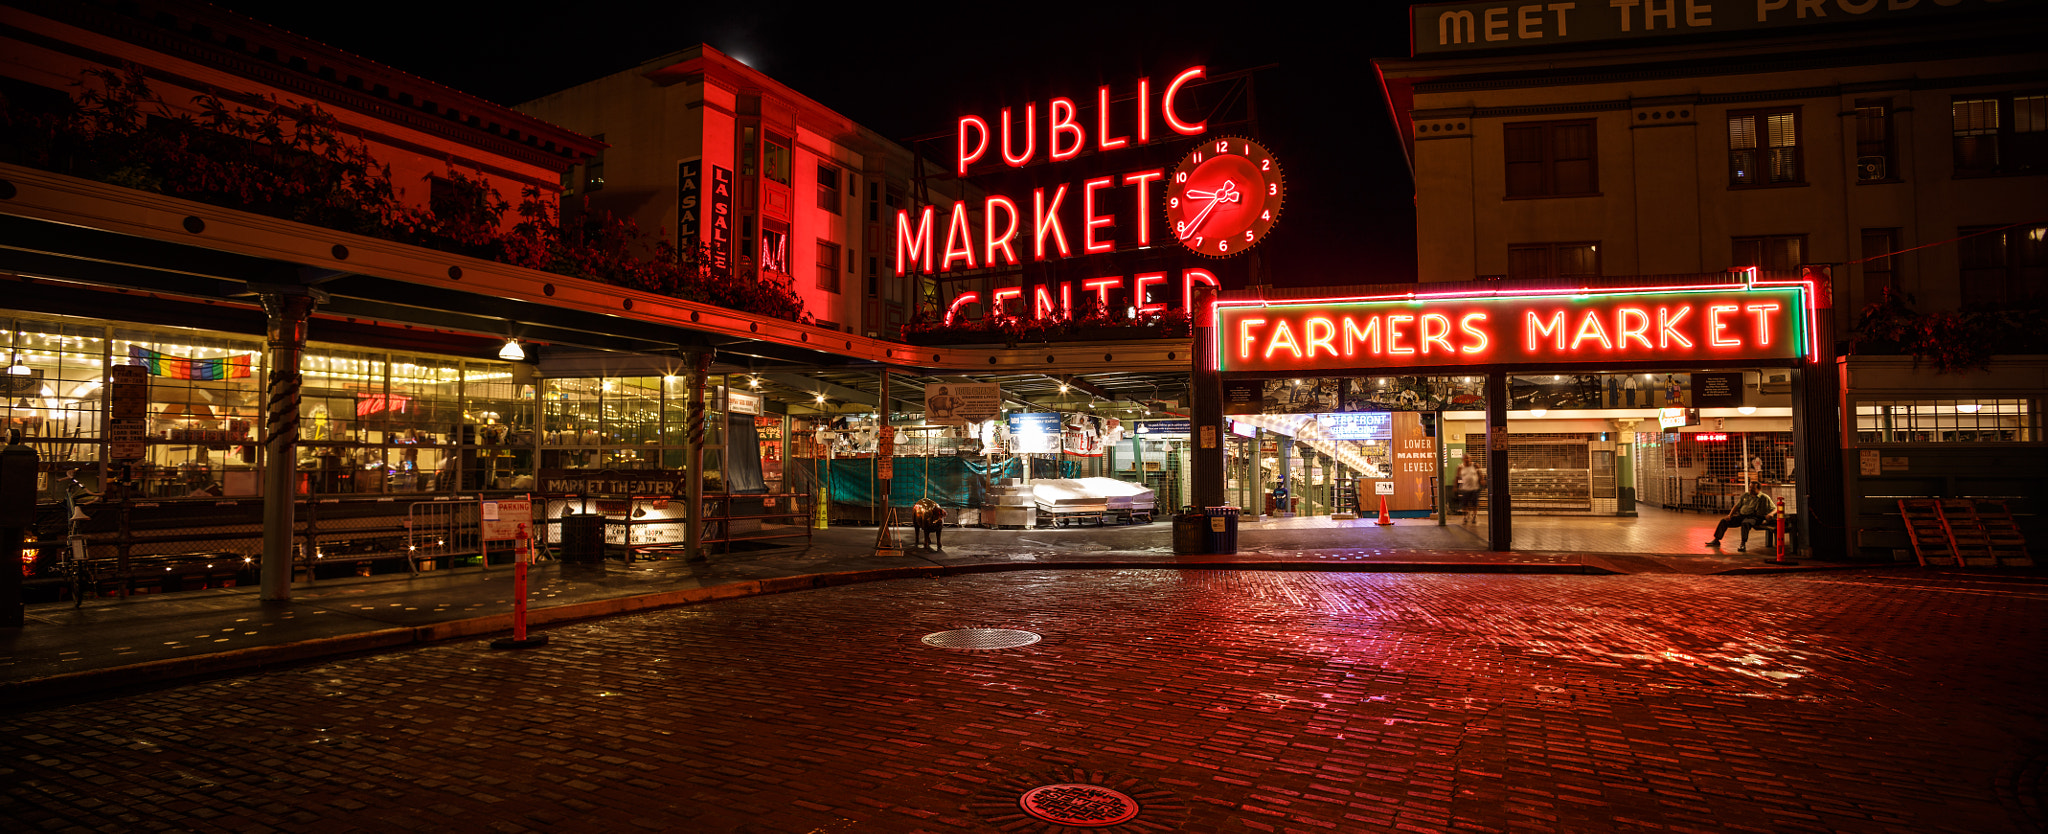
[{"x": 1753, "y": 320}]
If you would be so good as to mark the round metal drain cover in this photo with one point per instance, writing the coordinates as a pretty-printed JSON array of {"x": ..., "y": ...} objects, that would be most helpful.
[
  {"x": 1085, "y": 806},
  {"x": 981, "y": 638}
]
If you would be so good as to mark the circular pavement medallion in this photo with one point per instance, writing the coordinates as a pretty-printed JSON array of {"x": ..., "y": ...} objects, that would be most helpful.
[
  {"x": 1086, "y": 806},
  {"x": 978, "y": 639}
]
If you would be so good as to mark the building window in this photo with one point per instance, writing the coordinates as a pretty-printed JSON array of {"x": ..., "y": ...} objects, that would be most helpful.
[
  {"x": 1554, "y": 260},
  {"x": 2004, "y": 266},
  {"x": 1550, "y": 159},
  {"x": 1763, "y": 148},
  {"x": 2000, "y": 134},
  {"x": 747, "y": 135},
  {"x": 569, "y": 181},
  {"x": 593, "y": 171},
  {"x": 775, "y": 159},
  {"x": 874, "y": 202},
  {"x": 1876, "y": 152},
  {"x": 1947, "y": 421},
  {"x": 828, "y": 188},
  {"x": 1777, "y": 254},
  {"x": 774, "y": 251},
  {"x": 1880, "y": 266},
  {"x": 828, "y": 266}
]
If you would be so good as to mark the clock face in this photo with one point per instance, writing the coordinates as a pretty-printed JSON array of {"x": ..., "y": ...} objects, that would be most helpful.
[{"x": 1224, "y": 196}]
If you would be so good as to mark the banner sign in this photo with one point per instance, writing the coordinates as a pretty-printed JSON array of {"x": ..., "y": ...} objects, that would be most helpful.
[
  {"x": 503, "y": 518},
  {"x": 1717, "y": 323},
  {"x": 689, "y": 204},
  {"x": 1034, "y": 433},
  {"x": 1468, "y": 27},
  {"x": 719, "y": 233},
  {"x": 958, "y": 405},
  {"x": 1153, "y": 429},
  {"x": 622, "y": 483},
  {"x": 174, "y": 367},
  {"x": 1366, "y": 425}
]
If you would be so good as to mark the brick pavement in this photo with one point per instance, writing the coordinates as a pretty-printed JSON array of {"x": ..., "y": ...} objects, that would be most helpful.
[{"x": 1865, "y": 701}]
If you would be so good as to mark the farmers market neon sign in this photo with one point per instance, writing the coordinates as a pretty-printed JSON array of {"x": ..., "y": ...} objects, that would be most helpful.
[{"x": 1714, "y": 322}]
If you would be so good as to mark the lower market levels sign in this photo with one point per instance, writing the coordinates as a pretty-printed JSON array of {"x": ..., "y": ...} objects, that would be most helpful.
[{"x": 1714, "y": 323}]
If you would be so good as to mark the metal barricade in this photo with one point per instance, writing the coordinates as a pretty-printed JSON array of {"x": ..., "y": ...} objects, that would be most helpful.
[{"x": 443, "y": 531}]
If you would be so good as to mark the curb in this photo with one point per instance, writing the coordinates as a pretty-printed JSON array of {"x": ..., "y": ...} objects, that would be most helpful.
[{"x": 15, "y": 695}]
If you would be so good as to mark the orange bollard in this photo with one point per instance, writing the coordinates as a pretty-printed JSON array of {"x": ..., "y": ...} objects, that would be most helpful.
[
  {"x": 1781, "y": 534},
  {"x": 1385, "y": 519}
]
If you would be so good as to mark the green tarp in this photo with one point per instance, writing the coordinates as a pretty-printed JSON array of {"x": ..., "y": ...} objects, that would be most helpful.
[{"x": 953, "y": 482}]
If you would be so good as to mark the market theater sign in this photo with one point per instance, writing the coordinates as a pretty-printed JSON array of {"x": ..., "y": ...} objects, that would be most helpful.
[{"x": 1710, "y": 324}]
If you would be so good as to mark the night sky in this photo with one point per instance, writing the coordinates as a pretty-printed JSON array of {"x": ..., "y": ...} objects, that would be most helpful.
[{"x": 909, "y": 69}]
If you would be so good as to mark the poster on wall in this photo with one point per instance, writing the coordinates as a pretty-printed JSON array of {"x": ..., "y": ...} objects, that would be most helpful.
[
  {"x": 1717, "y": 390},
  {"x": 1309, "y": 395},
  {"x": 960, "y": 404},
  {"x": 1034, "y": 433},
  {"x": 1244, "y": 396}
]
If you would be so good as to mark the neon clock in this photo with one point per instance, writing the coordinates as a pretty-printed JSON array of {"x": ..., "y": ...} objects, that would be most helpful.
[{"x": 1224, "y": 196}]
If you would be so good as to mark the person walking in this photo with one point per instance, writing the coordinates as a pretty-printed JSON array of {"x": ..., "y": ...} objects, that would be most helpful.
[
  {"x": 1468, "y": 482},
  {"x": 1751, "y": 511}
]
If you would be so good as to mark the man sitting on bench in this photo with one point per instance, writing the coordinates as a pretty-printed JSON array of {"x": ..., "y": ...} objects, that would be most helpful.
[{"x": 1752, "y": 512}]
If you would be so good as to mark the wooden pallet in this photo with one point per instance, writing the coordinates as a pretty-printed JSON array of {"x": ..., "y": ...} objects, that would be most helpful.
[
  {"x": 1966, "y": 535},
  {"x": 1928, "y": 533},
  {"x": 2002, "y": 535}
]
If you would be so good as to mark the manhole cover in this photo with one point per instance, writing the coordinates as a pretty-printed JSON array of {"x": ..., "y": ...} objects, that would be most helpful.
[
  {"x": 1086, "y": 806},
  {"x": 981, "y": 638}
]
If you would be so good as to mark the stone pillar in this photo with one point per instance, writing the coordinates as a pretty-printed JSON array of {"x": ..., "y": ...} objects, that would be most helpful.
[
  {"x": 1500, "y": 509},
  {"x": 698, "y": 361},
  {"x": 1206, "y": 469},
  {"x": 288, "y": 310}
]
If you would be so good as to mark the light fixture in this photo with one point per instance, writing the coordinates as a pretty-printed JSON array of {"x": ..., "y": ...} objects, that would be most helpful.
[
  {"x": 754, "y": 382},
  {"x": 512, "y": 351},
  {"x": 1969, "y": 408},
  {"x": 821, "y": 397},
  {"x": 1063, "y": 388},
  {"x": 1746, "y": 409},
  {"x": 1538, "y": 411}
]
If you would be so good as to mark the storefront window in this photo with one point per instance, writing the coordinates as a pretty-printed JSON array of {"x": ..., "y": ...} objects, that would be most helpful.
[
  {"x": 53, "y": 388},
  {"x": 204, "y": 411},
  {"x": 623, "y": 423},
  {"x": 1947, "y": 421}
]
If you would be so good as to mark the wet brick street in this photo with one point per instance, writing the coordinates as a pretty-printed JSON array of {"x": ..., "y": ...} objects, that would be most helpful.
[{"x": 1880, "y": 701}]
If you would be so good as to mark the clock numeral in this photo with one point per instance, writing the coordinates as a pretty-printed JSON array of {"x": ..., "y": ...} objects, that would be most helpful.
[
  {"x": 1222, "y": 246},
  {"x": 1181, "y": 228},
  {"x": 1265, "y": 165},
  {"x": 1267, "y": 215},
  {"x": 1175, "y": 202},
  {"x": 1180, "y": 176},
  {"x": 1195, "y": 157},
  {"x": 1223, "y": 146},
  {"x": 1198, "y": 243},
  {"x": 1247, "y": 235},
  {"x": 1273, "y": 189}
]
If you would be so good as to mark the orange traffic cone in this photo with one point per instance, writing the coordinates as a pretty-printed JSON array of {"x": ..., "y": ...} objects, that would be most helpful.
[{"x": 1384, "y": 518}]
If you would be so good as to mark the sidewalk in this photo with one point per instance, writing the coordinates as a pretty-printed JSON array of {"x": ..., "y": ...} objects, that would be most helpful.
[{"x": 114, "y": 643}]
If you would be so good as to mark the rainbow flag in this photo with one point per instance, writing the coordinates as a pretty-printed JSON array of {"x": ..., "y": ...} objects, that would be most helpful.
[{"x": 225, "y": 367}]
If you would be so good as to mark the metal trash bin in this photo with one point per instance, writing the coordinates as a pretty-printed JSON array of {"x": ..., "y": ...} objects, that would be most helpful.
[
  {"x": 1190, "y": 533},
  {"x": 1221, "y": 535},
  {"x": 583, "y": 538}
]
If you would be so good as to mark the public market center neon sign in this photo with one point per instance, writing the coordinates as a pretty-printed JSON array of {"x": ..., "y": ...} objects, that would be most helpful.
[{"x": 1709, "y": 324}]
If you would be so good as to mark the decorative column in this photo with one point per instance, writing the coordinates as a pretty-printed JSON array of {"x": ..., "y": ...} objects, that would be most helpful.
[
  {"x": 1499, "y": 509},
  {"x": 698, "y": 361},
  {"x": 289, "y": 308}
]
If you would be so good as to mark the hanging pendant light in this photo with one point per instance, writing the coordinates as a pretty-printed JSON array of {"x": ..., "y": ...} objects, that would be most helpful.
[{"x": 512, "y": 351}]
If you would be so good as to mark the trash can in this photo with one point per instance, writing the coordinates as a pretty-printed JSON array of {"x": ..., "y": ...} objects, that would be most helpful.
[
  {"x": 1221, "y": 534},
  {"x": 583, "y": 538},
  {"x": 1190, "y": 533}
]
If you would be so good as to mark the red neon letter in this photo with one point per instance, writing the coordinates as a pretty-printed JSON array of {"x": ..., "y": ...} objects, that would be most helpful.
[
  {"x": 1283, "y": 336},
  {"x": 1041, "y": 302},
  {"x": 1715, "y": 325},
  {"x": 959, "y": 242},
  {"x": 1666, "y": 327},
  {"x": 1465, "y": 324},
  {"x": 1101, "y": 288},
  {"x": 1166, "y": 104},
  {"x": 1394, "y": 334},
  {"x": 1139, "y": 293},
  {"x": 1536, "y": 328},
  {"x": 1188, "y": 279},
  {"x": 1321, "y": 331},
  {"x": 1102, "y": 140},
  {"x": 1641, "y": 319},
  {"x": 1030, "y": 136},
  {"x": 1590, "y": 328},
  {"x": 915, "y": 248},
  {"x": 1244, "y": 337},
  {"x": 965, "y": 299},
  {"x": 1047, "y": 218},
  {"x": 996, "y": 299},
  {"x": 1144, "y": 110},
  {"x": 1063, "y": 122},
  {"x": 1353, "y": 337},
  {"x": 1439, "y": 334},
  {"x": 993, "y": 242},
  {"x": 968, "y": 157},
  {"x": 1763, "y": 321},
  {"x": 1143, "y": 181},
  {"x": 1090, "y": 221}
]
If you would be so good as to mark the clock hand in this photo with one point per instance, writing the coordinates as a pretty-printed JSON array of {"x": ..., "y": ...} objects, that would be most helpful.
[
  {"x": 1227, "y": 193},
  {"x": 1197, "y": 222}
]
